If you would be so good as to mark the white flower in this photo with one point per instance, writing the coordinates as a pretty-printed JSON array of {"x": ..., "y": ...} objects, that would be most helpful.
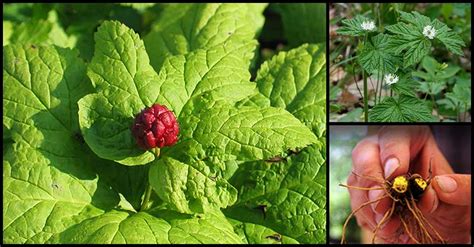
[
  {"x": 368, "y": 25},
  {"x": 429, "y": 32},
  {"x": 391, "y": 79}
]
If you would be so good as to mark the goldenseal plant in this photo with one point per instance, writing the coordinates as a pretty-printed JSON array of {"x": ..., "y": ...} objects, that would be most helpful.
[
  {"x": 391, "y": 56},
  {"x": 181, "y": 147}
]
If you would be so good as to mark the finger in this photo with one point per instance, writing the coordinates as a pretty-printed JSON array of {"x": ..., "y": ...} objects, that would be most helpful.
[
  {"x": 366, "y": 162},
  {"x": 365, "y": 216},
  {"x": 390, "y": 228},
  {"x": 453, "y": 189},
  {"x": 399, "y": 145},
  {"x": 383, "y": 205},
  {"x": 431, "y": 156},
  {"x": 429, "y": 201},
  {"x": 366, "y": 166}
]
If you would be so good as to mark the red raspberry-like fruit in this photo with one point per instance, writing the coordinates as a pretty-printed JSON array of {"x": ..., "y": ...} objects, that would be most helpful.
[{"x": 155, "y": 126}]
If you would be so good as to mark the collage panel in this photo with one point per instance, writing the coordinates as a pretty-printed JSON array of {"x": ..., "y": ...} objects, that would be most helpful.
[
  {"x": 400, "y": 62},
  {"x": 164, "y": 123},
  {"x": 236, "y": 123},
  {"x": 400, "y": 184}
]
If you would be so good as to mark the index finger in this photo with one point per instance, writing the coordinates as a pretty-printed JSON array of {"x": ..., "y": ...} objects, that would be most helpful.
[
  {"x": 399, "y": 145},
  {"x": 366, "y": 162},
  {"x": 367, "y": 171}
]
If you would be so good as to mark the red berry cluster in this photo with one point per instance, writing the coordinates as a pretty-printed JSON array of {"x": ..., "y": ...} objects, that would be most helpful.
[{"x": 155, "y": 126}]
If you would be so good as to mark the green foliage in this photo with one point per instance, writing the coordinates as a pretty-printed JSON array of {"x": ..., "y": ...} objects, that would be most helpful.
[
  {"x": 353, "y": 27},
  {"x": 403, "y": 109},
  {"x": 185, "y": 28},
  {"x": 392, "y": 55},
  {"x": 291, "y": 192},
  {"x": 303, "y": 22},
  {"x": 405, "y": 86},
  {"x": 460, "y": 98},
  {"x": 123, "y": 79},
  {"x": 258, "y": 234},
  {"x": 73, "y": 172},
  {"x": 378, "y": 56},
  {"x": 295, "y": 80},
  {"x": 410, "y": 37},
  {"x": 38, "y": 31},
  {"x": 435, "y": 75}
]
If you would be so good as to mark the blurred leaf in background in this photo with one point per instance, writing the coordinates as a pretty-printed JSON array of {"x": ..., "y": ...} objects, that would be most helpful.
[
  {"x": 343, "y": 140},
  {"x": 71, "y": 25},
  {"x": 303, "y": 22}
]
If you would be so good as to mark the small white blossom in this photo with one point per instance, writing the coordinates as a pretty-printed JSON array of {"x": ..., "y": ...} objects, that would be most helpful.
[
  {"x": 429, "y": 32},
  {"x": 368, "y": 25},
  {"x": 391, "y": 79}
]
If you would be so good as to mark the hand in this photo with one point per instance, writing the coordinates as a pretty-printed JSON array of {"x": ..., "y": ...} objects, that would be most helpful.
[{"x": 394, "y": 151}]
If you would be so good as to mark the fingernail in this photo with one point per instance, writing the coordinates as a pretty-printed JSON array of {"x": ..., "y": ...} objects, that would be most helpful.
[
  {"x": 447, "y": 184},
  {"x": 390, "y": 166},
  {"x": 373, "y": 195}
]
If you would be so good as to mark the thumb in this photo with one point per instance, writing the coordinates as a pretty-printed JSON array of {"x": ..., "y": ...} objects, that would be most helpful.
[{"x": 453, "y": 189}]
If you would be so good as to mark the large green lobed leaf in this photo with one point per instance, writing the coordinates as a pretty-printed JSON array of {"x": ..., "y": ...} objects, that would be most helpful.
[
  {"x": 60, "y": 189},
  {"x": 411, "y": 40},
  {"x": 49, "y": 182},
  {"x": 183, "y": 28},
  {"x": 154, "y": 227},
  {"x": 287, "y": 196},
  {"x": 126, "y": 84},
  {"x": 196, "y": 178},
  {"x": 296, "y": 81},
  {"x": 378, "y": 55},
  {"x": 55, "y": 189},
  {"x": 402, "y": 109}
]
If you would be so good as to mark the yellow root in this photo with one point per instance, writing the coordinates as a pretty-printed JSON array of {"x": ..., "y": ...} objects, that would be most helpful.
[
  {"x": 354, "y": 212},
  {"x": 419, "y": 222},
  {"x": 386, "y": 216},
  {"x": 441, "y": 239},
  {"x": 420, "y": 233},
  {"x": 376, "y": 179},
  {"x": 361, "y": 188},
  {"x": 408, "y": 231}
]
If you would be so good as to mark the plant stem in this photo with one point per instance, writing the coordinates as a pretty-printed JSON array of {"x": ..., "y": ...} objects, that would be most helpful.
[
  {"x": 147, "y": 197},
  {"x": 381, "y": 85},
  {"x": 355, "y": 81},
  {"x": 376, "y": 87},
  {"x": 366, "y": 105},
  {"x": 457, "y": 114},
  {"x": 149, "y": 189},
  {"x": 465, "y": 113},
  {"x": 434, "y": 105},
  {"x": 344, "y": 61},
  {"x": 366, "y": 100}
]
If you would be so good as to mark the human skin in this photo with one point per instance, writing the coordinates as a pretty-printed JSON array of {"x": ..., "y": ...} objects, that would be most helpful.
[{"x": 390, "y": 151}]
